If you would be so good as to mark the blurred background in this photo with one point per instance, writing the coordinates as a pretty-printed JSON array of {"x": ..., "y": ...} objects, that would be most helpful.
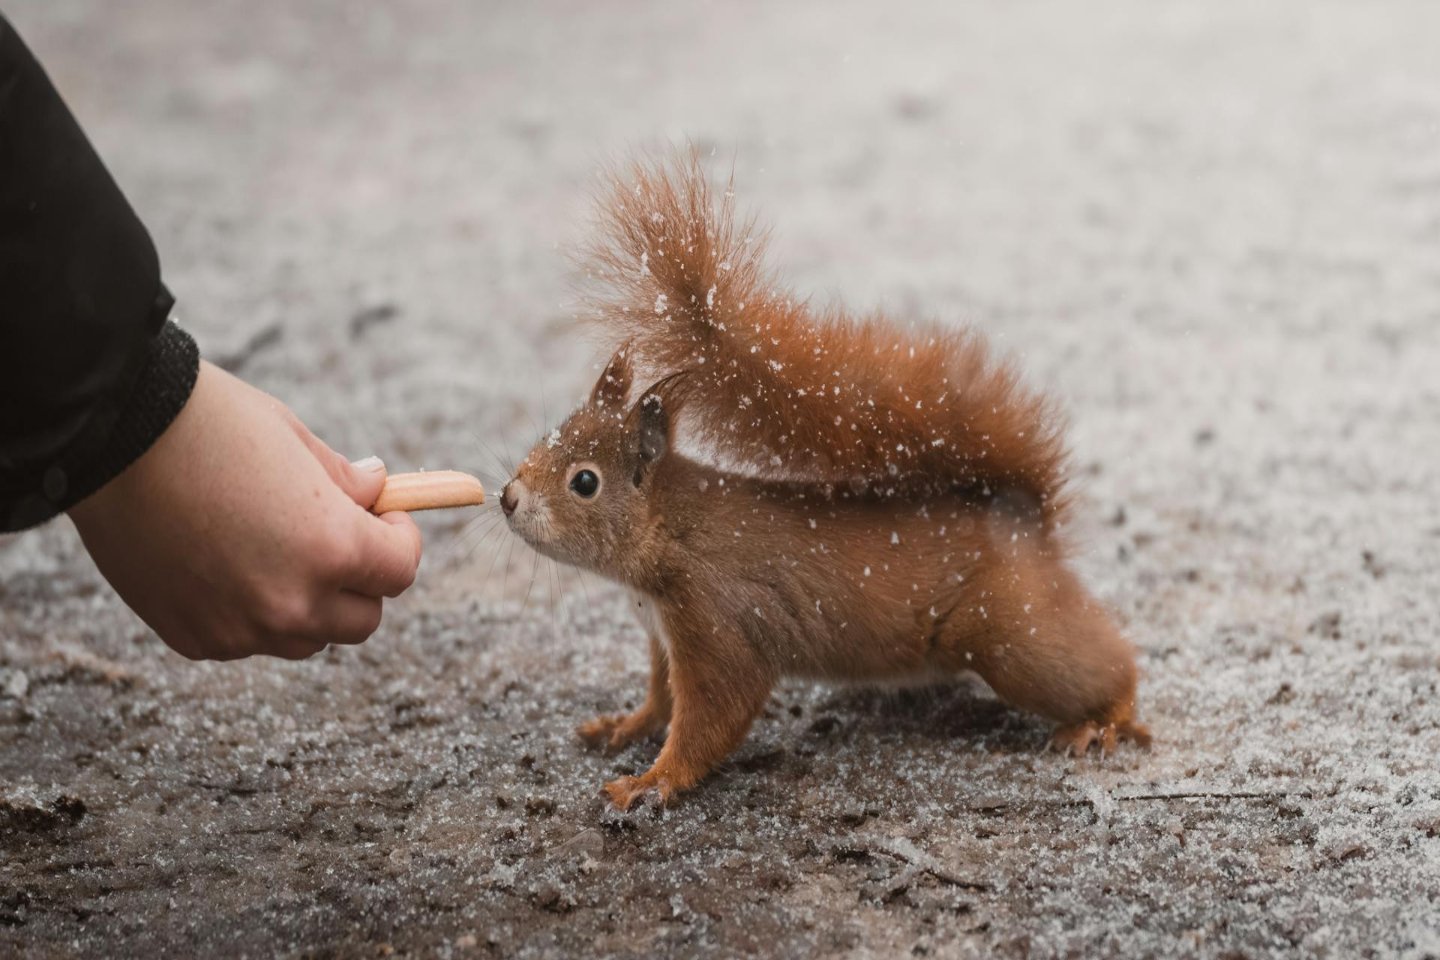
[{"x": 1211, "y": 229}]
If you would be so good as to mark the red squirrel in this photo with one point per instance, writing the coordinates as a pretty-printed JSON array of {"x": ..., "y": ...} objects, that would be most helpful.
[{"x": 869, "y": 502}]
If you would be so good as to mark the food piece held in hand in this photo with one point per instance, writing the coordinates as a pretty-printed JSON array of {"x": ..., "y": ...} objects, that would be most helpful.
[{"x": 429, "y": 490}]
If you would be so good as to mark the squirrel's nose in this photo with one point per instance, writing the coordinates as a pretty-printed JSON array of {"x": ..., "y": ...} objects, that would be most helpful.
[{"x": 508, "y": 500}]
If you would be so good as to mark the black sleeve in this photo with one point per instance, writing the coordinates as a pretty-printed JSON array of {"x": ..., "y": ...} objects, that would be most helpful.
[{"x": 91, "y": 371}]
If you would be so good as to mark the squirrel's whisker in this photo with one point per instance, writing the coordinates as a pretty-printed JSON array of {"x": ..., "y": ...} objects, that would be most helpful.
[
  {"x": 508, "y": 544},
  {"x": 505, "y": 473},
  {"x": 534, "y": 562},
  {"x": 460, "y": 539},
  {"x": 489, "y": 535}
]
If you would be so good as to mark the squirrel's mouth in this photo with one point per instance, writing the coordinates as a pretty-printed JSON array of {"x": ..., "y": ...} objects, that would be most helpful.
[{"x": 527, "y": 514}]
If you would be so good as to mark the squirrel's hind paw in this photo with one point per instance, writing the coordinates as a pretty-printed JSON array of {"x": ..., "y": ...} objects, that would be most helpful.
[
  {"x": 1077, "y": 738},
  {"x": 625, "y": 791}
]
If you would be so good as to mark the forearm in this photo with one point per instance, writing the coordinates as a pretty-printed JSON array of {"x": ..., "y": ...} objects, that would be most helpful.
[{"x": 90, "y": 372}]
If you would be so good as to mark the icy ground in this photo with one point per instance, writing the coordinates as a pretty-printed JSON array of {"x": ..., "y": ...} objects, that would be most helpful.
[{"x": 1212, "y": 228}]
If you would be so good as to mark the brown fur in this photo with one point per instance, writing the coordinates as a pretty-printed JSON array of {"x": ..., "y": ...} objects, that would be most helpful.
[
  {"x": 783, "y": 390},
  {"x": 852, "y": 545}
]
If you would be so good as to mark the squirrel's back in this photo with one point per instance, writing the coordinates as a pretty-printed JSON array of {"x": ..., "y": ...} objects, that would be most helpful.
[{"x": 793, "y": 392}]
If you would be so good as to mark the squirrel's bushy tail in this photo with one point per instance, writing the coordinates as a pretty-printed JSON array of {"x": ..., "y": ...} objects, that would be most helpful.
[{"x": 773, "y": 384}]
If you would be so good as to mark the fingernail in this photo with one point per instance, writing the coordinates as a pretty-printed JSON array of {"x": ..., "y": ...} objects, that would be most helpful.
[{"x": 369, "y": 465}]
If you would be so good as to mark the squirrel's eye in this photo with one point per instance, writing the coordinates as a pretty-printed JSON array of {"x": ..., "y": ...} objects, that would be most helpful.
[{"x": 585, "y": 483}]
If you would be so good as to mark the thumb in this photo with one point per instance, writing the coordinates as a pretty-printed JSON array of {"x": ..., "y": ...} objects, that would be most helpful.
[{"x": 361, "y": 481}]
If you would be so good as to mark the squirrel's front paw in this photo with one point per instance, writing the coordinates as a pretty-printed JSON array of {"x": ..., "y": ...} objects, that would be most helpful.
[
  {"x": 624, "y": 792},
  {"x": 616, "y": 731}
]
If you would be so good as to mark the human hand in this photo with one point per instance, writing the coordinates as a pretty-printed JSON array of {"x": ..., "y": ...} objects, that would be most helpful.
[{"x": 240, "y": 533}]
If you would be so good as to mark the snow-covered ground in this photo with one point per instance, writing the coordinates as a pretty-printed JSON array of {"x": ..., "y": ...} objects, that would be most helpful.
[{"x": 1213, "y": 229}]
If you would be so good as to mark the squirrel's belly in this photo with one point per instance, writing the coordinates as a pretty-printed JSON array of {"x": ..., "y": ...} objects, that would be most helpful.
[{"x": 920, "y": 679}]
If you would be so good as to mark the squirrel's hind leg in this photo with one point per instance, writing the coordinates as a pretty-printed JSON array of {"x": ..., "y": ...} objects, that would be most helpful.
[
  {"x": 1045, "y": 645},
  {"x": 616, "y": 731}
]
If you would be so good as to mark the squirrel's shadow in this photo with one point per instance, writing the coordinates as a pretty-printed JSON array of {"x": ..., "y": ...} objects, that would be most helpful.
[{"x": 963, "y": 712}]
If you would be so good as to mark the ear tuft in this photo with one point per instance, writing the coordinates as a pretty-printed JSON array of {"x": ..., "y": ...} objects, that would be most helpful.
[{"x": 613, "y": 386}]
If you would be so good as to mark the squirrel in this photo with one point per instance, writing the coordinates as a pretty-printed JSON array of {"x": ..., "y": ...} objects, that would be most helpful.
[{"x": 858, "y": 501}]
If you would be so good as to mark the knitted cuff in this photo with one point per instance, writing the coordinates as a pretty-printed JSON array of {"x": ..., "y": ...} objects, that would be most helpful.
[{"x": 161, "y": 390}]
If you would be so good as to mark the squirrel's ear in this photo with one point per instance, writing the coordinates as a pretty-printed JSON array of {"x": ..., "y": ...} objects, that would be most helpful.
[
  {"x": 614, "y": 384},
  {"x": 652, "y": 431}
]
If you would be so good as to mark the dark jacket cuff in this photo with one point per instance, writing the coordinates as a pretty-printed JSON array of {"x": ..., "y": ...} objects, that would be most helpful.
[{"x": 166, "y": 380}]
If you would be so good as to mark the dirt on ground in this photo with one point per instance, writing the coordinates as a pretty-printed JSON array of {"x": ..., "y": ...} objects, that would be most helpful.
[{"x": 1211, "y": 229}]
